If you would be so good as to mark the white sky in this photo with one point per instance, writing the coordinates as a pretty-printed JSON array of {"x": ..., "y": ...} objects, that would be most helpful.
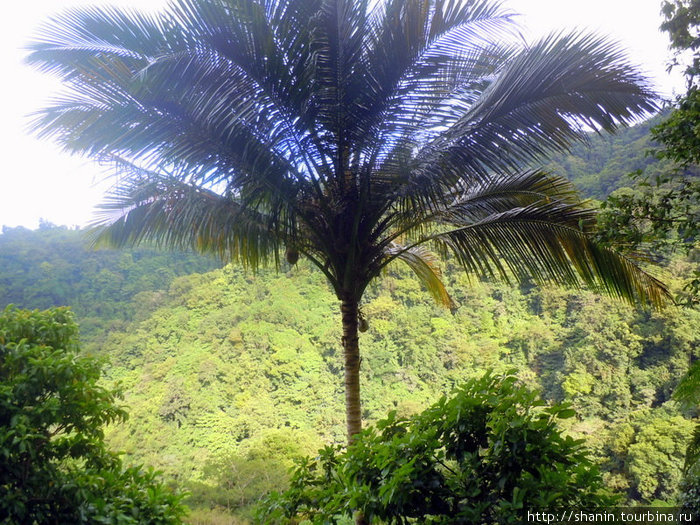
[{"x": 38, "y": 181}]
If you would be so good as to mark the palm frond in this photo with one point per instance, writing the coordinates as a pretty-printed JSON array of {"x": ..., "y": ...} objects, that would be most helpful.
[
  {"x": 426, "y": 267},
  {"x": 191, "y": 76},
  {"x": 543, "y": 99},
  {"x": 250, "y": 42},
  {"x": 66, "y": 40},
  {"x": 419, "y": 53},
  {"x": 692, "y": 453},
  {"x": 481, "y": 198},
  {"x": 168, "y": 212},
  {"x": 687, "y": 393},
  {"x": 541, "y": 242},
  {"x": 500, "y": 194},
  {"x": 688, "y": 390}
]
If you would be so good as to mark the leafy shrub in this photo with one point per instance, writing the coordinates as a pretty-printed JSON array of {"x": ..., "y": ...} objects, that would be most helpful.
[
  {"x": 689, "y": 499},
  {"x": 486, "y": 455},
  {"x": 56, "y": 468}
]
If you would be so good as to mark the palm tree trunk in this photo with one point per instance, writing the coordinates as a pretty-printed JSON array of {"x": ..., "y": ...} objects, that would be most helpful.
[{"x": 351, "y": 352}]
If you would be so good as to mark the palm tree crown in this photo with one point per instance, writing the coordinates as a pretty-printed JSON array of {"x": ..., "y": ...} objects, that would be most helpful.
[{"x": 353, "y": 132}]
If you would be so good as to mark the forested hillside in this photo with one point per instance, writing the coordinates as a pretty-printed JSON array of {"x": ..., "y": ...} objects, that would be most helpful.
[
  {"x": 230, "y": 375},
  {"x": 56, "y": 266},
  {"x": 604, "y": 164},
  {"x": 243, "y": 366}
]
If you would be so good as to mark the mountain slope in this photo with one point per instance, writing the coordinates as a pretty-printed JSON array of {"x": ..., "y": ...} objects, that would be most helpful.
[{"x": 230, "y": 359}]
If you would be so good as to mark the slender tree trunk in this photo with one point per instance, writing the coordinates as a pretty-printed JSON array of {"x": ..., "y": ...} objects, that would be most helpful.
[{"x": 351, "y": 353}]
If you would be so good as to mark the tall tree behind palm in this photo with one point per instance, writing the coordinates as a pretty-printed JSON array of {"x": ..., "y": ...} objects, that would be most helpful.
[{"x": 351, "y": 132}]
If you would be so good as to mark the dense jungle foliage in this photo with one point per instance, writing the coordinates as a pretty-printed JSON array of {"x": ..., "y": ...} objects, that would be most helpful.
[{"x": 230, "y": 376}]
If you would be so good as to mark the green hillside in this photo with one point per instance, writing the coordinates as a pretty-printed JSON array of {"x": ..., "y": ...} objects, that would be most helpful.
[
  {"x": 229, "y": 375},
  {"x": 603, "y": 164},
  {"x": 57, "y": 266},
  {"x": 229, "y": 357}
]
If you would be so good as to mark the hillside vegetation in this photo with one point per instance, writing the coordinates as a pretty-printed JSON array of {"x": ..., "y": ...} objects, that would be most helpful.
[{"x": 229, "y": 376}]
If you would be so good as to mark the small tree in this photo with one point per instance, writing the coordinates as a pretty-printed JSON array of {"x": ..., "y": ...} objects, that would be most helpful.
[
  {"x": 55, "y": 466},
  {"x": 487, "y": 455}
]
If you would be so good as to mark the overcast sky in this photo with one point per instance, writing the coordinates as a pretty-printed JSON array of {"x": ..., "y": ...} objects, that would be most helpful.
[{"x": 40, "y": 182}]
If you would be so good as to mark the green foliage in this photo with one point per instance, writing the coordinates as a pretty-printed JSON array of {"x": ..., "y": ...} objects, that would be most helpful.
[
  {"x": 206, "y": 516},
  {"x": 651, "y": 447},
  {"x": 681, "y": 22},
  {"x": 258, "y": 353},
  {"x": 680, "y": 133},
  {"x": 662, "y": 210},
  {"x": 491, "y": 451},
  {"x": 236, "y": 483},
  {"x": 690, "y": 493},
  {"x": 659, "y": 214},
  {"x": 688, "y": 394},
  {"x": 600, "y": 166},
  {"x": 655, "y": 459},
  {"x": 55, "y": 266},
  {"x": 56, "y": 468},
  {"x": 680, "y": 137},
  {"x": 688, "y": 390}
]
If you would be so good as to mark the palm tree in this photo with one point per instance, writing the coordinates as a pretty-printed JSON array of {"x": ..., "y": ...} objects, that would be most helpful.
[{"x": 354, "y": 133}]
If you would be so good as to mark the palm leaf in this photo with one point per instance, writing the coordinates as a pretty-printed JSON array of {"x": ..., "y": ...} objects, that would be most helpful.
[
  {"x": 542, "y": 242},
  {"x": 480, "y": 198},
  {"x": 426, "y": 267},
  {"x": 168, "y": 212},
  {"x": 543, "y": 99},
  {"x": 692, "y": 453},
  {"x": 688, "y": 390}
]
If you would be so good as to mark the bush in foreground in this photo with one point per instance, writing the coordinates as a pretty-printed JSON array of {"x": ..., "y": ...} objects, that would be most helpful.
[
  {"x": 55, "y": 466},
  {"x": 486, "y": 455}
]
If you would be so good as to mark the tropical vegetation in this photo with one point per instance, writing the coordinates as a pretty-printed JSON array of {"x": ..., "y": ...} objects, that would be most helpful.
[
  {"x": 355, "y": 134},
  {"x": 230, "y": 377},
  {"x": 55, "y": 465},
  {"x": 332, "y": 139},
  {"x": 487, "y": 455}
]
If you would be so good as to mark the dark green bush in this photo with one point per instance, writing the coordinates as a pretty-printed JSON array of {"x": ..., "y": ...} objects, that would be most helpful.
[
  {"x": 486, "y": 455},
  {"x": 55, "y": 466}
]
